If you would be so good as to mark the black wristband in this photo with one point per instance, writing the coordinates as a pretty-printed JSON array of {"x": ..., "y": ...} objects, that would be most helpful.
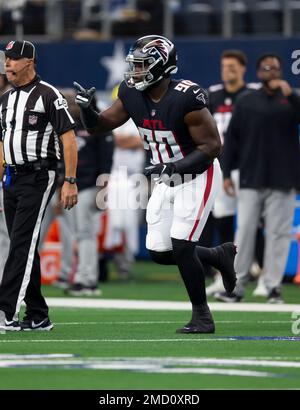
[
  {"x": 196, "y": 162},
  {"x": 89, "y": 117}
]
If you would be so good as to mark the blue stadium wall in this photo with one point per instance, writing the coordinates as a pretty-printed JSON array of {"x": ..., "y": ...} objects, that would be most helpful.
[
  {"x": 199, "y": 60},
  {"x": 62, "y": 63}
]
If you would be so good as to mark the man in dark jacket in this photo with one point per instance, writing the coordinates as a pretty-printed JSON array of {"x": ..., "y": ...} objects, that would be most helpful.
[{"x": 263, "y": 138}]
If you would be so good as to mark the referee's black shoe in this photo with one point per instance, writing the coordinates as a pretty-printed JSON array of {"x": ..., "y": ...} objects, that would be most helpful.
[
  {"x": 44, "y": 325},
  {"x": 201, "y": 322},
  {"x": 10, "y": 326}
]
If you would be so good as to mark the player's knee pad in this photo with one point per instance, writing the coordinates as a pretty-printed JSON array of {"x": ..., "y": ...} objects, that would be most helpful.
[
  {"x": 163, "y": 258},
  {"x": 182, "y": 249}
]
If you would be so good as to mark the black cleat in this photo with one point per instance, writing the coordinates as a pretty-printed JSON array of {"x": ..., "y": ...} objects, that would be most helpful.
[
  {"x": 44, "y": 325},
  {"x": 275, "y": 296},
  {"x": 200, "y": 323},
  {"x": 201, "y": 327},
  {"x": 225, "y": 264}
]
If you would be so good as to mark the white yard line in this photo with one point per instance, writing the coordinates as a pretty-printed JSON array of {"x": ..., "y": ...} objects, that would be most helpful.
[
  {"x": 112, "y": 340},
  {"x": 187, "y": 339},
  {"x": 150, "y": 364},
  {"x": 167, "y": 322},
  {"x": 14, "y": 356},
  {"x": 164, "y": 305}
]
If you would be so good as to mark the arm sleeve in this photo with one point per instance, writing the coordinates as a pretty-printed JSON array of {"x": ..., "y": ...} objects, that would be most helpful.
[
  {"x": 196, "y": 162},
  {"x": 58, "y": 113},
  {"x": 196, "y": 99},
  {"x": 230, "y": 147}
]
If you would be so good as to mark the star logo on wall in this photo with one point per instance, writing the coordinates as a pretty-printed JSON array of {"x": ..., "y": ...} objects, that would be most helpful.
[{"x": 115, "y": 65}]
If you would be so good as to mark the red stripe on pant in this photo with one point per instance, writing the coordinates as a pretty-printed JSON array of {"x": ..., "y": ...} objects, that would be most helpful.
[{"x": 209, "y": 178}]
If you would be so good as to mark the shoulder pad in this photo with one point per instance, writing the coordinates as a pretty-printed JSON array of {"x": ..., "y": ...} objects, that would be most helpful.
[
  {"x": 215, "y": 87},
  {"x": 254, "y": 86}
]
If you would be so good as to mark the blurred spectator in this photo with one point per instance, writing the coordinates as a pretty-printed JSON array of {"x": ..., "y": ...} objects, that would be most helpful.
[
  {"x": 222, "y": 98},
  {"x": 123, "y": 222},
  {"x": 263, "y": 138},
  {"x": 94, "y": 159}
]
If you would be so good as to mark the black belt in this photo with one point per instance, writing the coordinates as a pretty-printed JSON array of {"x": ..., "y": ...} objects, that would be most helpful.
[{"x": 31, "y": 166}]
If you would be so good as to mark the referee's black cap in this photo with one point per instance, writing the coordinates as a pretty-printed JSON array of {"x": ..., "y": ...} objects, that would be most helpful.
[{"x": 20, "y": 49}]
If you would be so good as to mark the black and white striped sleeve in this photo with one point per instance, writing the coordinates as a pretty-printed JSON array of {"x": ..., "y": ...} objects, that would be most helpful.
[{"x": 58, "y": 112}]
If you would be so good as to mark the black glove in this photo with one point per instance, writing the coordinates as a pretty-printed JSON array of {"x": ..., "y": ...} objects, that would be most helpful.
[
  {"x": 163, "y": 172},
  {"x": 84, "y": 97}
]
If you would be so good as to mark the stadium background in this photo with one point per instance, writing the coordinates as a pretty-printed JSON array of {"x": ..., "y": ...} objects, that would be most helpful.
[
  {"x": 62, "y": 62},
  {"x": 61, "y": 59},
  {"x": 262, "y": 337}
]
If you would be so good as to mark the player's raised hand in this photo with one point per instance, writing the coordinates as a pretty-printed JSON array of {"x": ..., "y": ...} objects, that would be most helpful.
[{"x": 83, "y": 97}]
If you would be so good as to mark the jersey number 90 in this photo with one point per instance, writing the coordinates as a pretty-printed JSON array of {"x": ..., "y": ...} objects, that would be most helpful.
[{"x": 163, "y": 145}]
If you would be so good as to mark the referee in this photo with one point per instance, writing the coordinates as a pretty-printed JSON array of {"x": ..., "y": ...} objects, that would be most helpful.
[{"x": 33, "y": 117}]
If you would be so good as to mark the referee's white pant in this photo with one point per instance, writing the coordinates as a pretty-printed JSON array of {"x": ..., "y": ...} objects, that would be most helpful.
[{"x": 25, "y": 201}]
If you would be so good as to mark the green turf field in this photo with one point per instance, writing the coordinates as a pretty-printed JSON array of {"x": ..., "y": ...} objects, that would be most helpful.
[{"x": 139, "y": 349}]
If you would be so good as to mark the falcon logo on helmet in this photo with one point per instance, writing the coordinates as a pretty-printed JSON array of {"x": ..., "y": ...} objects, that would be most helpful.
[
  {"x": 158, "y": 46},
  {"x": 151, "y": 58}
]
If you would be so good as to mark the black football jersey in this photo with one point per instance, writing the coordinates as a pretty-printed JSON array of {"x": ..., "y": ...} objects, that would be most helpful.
[
  {"x": 161, "y": 124},
  {"x": 221, "y": 104}
]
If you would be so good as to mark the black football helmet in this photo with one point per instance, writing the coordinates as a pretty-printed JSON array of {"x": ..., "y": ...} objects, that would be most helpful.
[{"x": 150, "y": 59}]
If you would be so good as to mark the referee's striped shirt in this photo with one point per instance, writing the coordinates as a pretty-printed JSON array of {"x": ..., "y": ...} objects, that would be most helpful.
[{"x": 32, "y": 117}]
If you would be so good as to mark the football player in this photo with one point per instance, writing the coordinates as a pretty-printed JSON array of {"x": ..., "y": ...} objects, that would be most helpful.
[
  {"x": 222, "y": 98},
  {"x": 178, "y": 129}
]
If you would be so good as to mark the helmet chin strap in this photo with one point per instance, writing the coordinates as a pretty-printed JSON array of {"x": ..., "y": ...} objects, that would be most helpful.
[{"x": 141, "y": 86}]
